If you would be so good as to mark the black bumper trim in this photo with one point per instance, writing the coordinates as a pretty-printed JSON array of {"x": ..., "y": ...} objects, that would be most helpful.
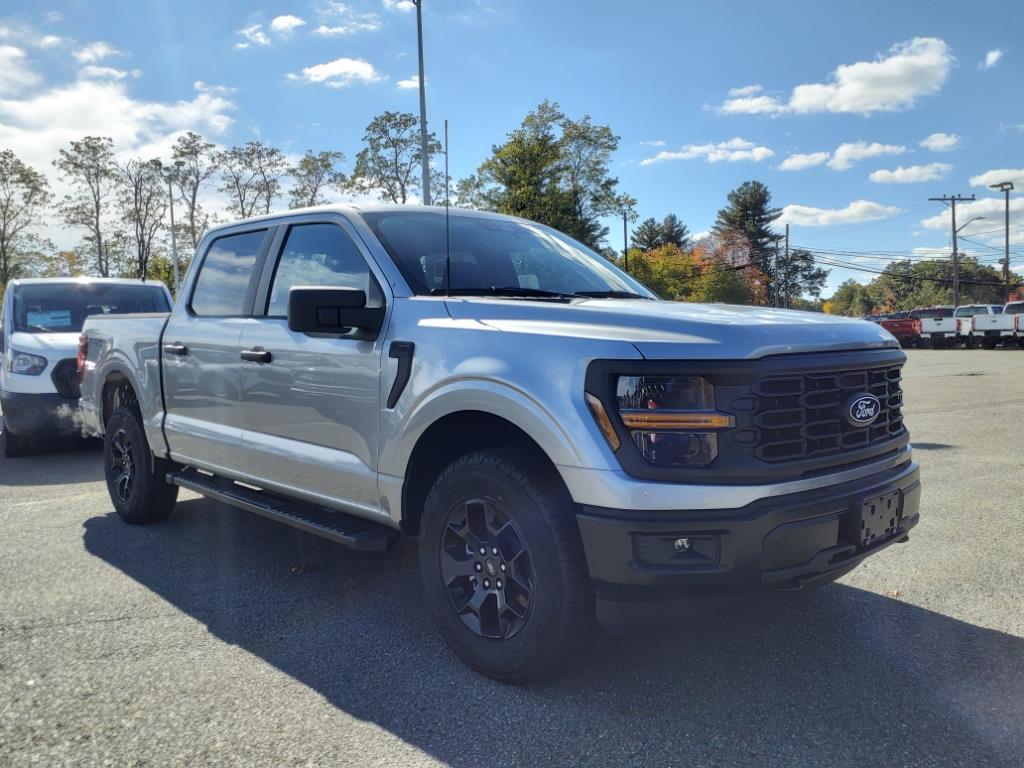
[{"x": 781, "y": 543}]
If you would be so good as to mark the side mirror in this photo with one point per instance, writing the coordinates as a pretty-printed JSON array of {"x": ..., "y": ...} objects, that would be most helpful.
[{"x": 334, "y": 311}]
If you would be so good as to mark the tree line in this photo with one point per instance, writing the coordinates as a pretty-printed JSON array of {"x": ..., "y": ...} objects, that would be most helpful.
[{"x": 552, "y": 168}]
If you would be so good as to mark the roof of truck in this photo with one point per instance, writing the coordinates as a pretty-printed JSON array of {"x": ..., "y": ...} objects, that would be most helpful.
[
  {"x": 361, "y": 208},
  {"x": 84, "y": 281}
]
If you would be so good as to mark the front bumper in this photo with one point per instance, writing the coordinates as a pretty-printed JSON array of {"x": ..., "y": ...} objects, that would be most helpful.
[
  {"x": 777, "y": 543},
  {"x": 29, "y": 414}
]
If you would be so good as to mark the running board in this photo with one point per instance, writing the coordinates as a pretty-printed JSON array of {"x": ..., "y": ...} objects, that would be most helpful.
[{"x": 349, "y": 530}]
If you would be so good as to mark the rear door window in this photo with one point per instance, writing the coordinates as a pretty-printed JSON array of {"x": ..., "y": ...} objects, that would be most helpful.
[{"x": 226, "y": 273}]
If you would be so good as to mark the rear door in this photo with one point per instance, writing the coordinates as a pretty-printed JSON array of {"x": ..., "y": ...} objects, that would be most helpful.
[
  {"x": 201, "y": 347},
  {"x": 310, "y": 409}
]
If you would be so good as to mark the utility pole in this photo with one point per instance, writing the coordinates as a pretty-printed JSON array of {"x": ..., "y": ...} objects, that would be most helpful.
[
  {"x": 1005, "y": 187},
  {"x": 785, "y": 267},
  {"x": 625, "y": 240},
  {"x": 424, "y": 147},
  {"x": 775, "y": 282},
  {"x": 952, "y": 200}
]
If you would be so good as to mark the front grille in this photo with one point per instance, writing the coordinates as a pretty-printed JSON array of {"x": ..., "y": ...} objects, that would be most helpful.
[
  {"x": 65, "y": 378},
  {"x": 803, "y": 416}
]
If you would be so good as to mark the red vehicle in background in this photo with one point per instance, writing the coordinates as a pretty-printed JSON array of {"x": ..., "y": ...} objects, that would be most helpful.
[{"x": 905, "y": 327}]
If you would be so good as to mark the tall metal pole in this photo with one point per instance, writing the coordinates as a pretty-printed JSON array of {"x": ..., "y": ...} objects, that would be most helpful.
[
  {"x": 174, "y": 240},
  {"x": 625, "y": 241},
  {"x": 952, "y": 200},
  {"x": 1005, "y": 187},
  {"x": 775, "y": 282},
  {"x": 424, "y": 148},
  {"x": 786, "y": 266}
]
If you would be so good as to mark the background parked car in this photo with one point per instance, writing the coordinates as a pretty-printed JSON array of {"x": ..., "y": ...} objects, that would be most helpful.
[{"x": 966, "y": 332}]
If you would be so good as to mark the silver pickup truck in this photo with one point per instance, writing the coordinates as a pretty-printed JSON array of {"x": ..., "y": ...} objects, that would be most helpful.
[{"x": 562, "y": 442}]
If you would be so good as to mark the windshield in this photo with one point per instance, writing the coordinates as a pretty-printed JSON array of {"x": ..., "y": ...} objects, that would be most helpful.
[
  {"x": 63, "y": 307},
  {"x": 1015, "y": 309},
  {"x": 496, "y": 256},
  {"x": 932, "y": 314},
  {"x": 997, "y": 310}
]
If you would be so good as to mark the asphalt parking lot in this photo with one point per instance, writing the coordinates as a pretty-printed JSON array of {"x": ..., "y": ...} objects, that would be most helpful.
[{"x": 220, "y": 638}]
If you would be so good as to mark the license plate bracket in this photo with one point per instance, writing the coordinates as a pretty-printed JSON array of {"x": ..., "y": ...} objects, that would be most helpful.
[{"x": 876, "y": 518}]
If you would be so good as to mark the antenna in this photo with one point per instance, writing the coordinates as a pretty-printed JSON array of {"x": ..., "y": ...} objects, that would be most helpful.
[{"x": 447, "y": 239}]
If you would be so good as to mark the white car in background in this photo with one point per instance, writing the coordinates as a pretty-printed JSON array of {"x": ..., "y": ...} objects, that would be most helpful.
[
  {"x": 1001, "y": 327},
  {"x": 938, "y": 326},
  {"x": 39, "y": 327}
]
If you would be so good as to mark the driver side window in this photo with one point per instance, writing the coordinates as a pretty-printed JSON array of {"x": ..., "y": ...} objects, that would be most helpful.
[{"x": 321, "y": 255}]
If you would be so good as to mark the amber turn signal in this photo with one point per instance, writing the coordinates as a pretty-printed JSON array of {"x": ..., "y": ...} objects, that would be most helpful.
[
  {"x": 603, "y": 422},
  {"x": 655, "y": 419}
]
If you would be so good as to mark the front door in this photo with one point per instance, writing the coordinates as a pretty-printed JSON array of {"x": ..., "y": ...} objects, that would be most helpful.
[
  {"x": 310, "y": 403},
  {"x": 201, "y": 353}
]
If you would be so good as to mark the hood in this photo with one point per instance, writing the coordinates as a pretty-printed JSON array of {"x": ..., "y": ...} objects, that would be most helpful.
[
  {"x": 671, "y": 330},
  {"x": 52, "y": 346}
]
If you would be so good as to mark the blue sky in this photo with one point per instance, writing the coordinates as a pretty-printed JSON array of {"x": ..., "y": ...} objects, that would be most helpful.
[{"x": 703, "y": 96}]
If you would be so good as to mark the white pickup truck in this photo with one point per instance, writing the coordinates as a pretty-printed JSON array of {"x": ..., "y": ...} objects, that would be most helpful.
[
  {"x": 969, "y": 331},
  {"x": 938, "y": 326},
  {"x": 1003, "y": 326}
]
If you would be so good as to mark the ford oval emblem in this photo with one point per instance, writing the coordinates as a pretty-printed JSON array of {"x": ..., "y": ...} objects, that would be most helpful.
[{"x": 863, "y": 410}]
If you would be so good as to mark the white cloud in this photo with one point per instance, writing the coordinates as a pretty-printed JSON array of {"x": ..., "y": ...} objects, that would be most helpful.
[
  {"x": 339, "y": 73},
  {"x": 413, "y": 81},
  {"x": 848, "y": 154},
  {"x": 733, "y": 150},
  {"x": 992, "y": 209},
  {"x": 652, "y": 143},
  {"x": 94, "y": 72},
  {"x": 95, "y": 52},
  {"x": 941, "y": 142},
  {"x": 911, "y": 69},
  {"x": 746, "y": 90},
  {"x": 342, "y": 20},
  {"x": 991, "y": 59},
  {"x": 854, "y": 213},
  {"x": 286, "y": 24},
  {"x": 998, "y": 176},
  {"x": 797, "y": 162},
  {"x": 911, "y": 174},
  {"x": 400, "y": 5},
  {"x": 21, "y": 33},
  {"x": 50, "y": 41},
  {"x": 17, "y": 74},
  {"x": 254, "y": 35}
]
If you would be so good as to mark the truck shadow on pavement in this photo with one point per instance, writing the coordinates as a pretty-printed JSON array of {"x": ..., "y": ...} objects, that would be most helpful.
[{"x": 837, "y": 677}]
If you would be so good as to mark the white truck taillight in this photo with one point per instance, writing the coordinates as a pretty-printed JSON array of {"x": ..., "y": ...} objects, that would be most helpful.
[{"x": 83, "y": 352}]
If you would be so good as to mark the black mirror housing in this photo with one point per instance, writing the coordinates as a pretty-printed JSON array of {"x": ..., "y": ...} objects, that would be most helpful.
[{"x": 333, "y": 311}]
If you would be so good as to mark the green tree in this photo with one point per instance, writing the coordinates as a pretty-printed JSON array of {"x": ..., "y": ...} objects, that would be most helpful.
[
  {"x": 193, "y": 163},
  {"x": 802, "y": 275},
  {"x": 674, "y": 232},
  {"x": 143, "y": 199},
  {"x": 313, "y": 174},
  {"x": 554, "y": 170},
  {"x": 24, "y": 195},
  {"x": 251, "y": 177},
  {"x": 667, "y": 270},
  {"x": 651, "y": 234},
  {"x": 749, "y": 216},
  {"x": 389, "y": 163},
  {"x": 88, "y": 167},
  {"x": 647, "y": 235}
]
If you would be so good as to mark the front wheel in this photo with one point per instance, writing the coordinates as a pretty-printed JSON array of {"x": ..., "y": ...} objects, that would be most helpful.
[
  {"x": 135, "y": 480},
  {"x": 503, "y": 567}
]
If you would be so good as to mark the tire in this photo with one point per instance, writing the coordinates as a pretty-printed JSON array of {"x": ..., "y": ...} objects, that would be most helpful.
[
  {"x": 535, "y": 567},
  {"x": 15, "y": 446},
  {"x": 135, "y": 480},
  {"x": 970, "y": 342}
]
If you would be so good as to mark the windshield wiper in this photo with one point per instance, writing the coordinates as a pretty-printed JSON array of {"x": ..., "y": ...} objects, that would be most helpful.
[
  {"x": 528, "y": 293},
  {"x": 611, "y": 295}
]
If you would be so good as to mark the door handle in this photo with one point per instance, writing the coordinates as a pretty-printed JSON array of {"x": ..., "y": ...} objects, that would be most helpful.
[
  {"x": 257, "y": 355},
  {"x": 176, "y": 348}
]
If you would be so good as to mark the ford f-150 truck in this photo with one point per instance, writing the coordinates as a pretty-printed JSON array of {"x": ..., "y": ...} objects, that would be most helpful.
[
  {"x": 40, "y": 321},
  {"x": 1002, "y": 327},
  {"x": 938, "y": 326},
  {"x": 561, "y": 441}
]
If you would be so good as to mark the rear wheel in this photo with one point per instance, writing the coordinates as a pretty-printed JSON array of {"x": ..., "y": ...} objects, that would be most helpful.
[
  {"x": 503, "y": 567},
  {"x": 135, "y": 480},
  {"x": 970, "y": 342}
]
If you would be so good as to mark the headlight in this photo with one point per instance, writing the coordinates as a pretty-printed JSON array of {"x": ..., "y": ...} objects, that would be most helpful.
[
  {"x": 672, "y": 419},
  {"x": 24, "y": 363}
]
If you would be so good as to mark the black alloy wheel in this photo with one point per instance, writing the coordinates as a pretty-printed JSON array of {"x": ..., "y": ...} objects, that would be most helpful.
[{"x": 487, "y": 569}]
